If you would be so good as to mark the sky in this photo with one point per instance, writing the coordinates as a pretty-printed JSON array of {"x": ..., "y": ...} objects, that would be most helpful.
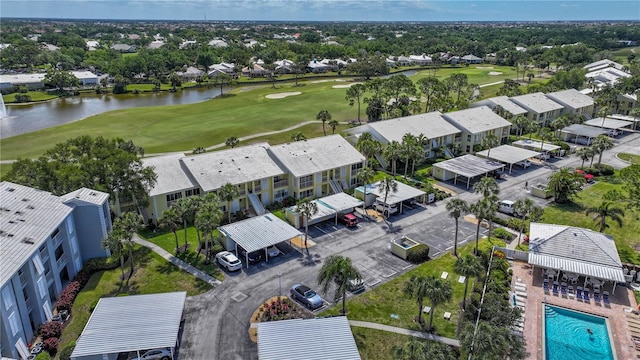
[{"x": 325, "y": 10}]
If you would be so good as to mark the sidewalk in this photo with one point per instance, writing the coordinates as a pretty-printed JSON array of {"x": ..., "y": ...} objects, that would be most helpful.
[
  {"x": 397, "y": 330},
  {"x": 177, "y": 262}
]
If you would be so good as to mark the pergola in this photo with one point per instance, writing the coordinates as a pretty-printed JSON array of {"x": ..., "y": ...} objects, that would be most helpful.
[
  {"x": 508, "y": 154},
  {"x": 468, "y": 166}
]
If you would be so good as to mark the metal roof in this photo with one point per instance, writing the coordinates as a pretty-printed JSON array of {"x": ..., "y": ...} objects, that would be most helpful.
[
  {"x": 508, "y": 154},
  {"x": 503, "y": 101},
  {"x": 86, "y": 195},
  {"x": 535, "y": 145},
  {"x": 476, "y": 120},
  {"x": 310, "y": 339},
  {"x": 608, "y": 123},
  {"x": 405, "y": 192},
  {"x": 432, "y": 125},
  {"x": 311, "y": 156},
  {"x": 571, "y": 98},
  {"x": 132, "y": 323},
  {"x": 331, "y": 205},
  {"x": 575, "y": 250},
  {"x": 172, "y": 174},
  {"x": 469, "y": 166},
  {"x": 259, "y": 232},
  {"x": 537, "y": 103},
  {"x": 236, "y": 166},
  {"x": 27, "y": 218},
  {"x": 583, "y": 130}
]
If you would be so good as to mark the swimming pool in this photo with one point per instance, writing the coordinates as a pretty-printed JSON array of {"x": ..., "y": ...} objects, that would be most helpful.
[{"x": 570, "y": 335}]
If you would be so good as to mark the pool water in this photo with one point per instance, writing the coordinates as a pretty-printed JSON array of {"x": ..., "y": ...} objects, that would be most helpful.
[{"x": 567, "y": 335}]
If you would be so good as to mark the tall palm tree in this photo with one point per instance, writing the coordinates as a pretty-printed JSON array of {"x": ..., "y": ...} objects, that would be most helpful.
[
  {"x": 486, "y": 187},
  {"x": 413, "y": 349},
  {"x": 467, "y": 266},
  {"x": 333, "y": 124},
  {"x": 564, "y": 184},
  {"x": 490, "y": 141},
  {"x": 600, "y": 144},
  {"x": 206, "y": 220},
  {"x": 416, "y": 154},
  {"x": 489, "y": 342},
  {"x": 456, "y": 208},
  {"x": 604, "y": 210},
  {"x": 113, "y": 242},
  {"x": 584, "y": 153},
  {"x": 388, "y": 184},
  {"x": 520, "y": 122},
  {"x": 298, "y": 136},
  {"x": 416, "y": 287},
  {"x": 170, "y": 221},
  {"x": 355, "y": 94},
  {"x": 391, "y": 154},
  {"x": 128, "y": 223},
  {"x": 438, "y": 291},
  {"x": 340, "y": 271},
  {"x": 479, "y": 209},
  {"x": 324, "y": 116},
  {"x": 522, "y": 208},
  {"x": 545, "y": 135},
  {"x": 187, "y": 208},
  {"x": 366, "y": 174},
  {"x": 228, "y": 192},
  {"x": 408, "y": 142},
  {"x": 232, "y": 141},
  {"x": 307, "y": 208}
]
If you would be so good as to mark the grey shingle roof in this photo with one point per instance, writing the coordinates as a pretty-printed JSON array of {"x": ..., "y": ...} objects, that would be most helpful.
[
  {"x": 172, "y": 174},
  {"x": 571, "y": 98},
  {"x": 537, "y": 103},
  {"x": 476, "y": 120},
  {"x": 315, "y": 155}
]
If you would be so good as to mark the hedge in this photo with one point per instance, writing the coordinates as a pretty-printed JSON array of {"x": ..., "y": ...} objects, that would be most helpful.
[
  {"x": 503, "y": 234},
  {"x": 51, "y": 329},
  {"x": 418, "y": 253}
]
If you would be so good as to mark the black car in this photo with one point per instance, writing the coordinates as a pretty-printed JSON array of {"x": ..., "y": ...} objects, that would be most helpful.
[{"x": 253, "y": 258}]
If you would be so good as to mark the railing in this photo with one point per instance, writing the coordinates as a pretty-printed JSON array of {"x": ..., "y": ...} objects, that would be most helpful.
[
  {"x": 306, "y": 184},
  {"x": 61, "y": 262},
  {"x": 257, "y": 188},
  {"x": 513, "y": 254},
  {"x": 280, "y": 183},
  {"x": 57, "y": 240},
  {"x": 242, "y": 192}
]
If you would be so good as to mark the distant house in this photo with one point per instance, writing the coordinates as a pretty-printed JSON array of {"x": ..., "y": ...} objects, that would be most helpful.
[
  {"x": 453, "y": 60},
  {"x": 87, "y": 78},
  {"x": 420, "y": 59},
  {"x": 156, "y": 44},
  {"x": 254, "y": 71},
  {"x": 222, "y": 68},
  {"x": 403, "y": 61},
  {"x": 190, "y": 73},
  {"x": 284, "y": 66},
  {"x": 471, "y": 59},
  {"x": 187, "y": 43},
  {"x": 218, "y": 43},
  {"x": 390, "y": 62},
  {"x": 125, "y": 48},
  {"x": 335, "y": 64},
  {"x": 92, "y": 45},
  {"x": 316, "y": 66},
  {"x": 49, "y": 47}
]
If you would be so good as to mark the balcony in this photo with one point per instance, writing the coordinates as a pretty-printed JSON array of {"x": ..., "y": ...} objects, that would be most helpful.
[
  {"x": 257, "y": 188},
  {"x": 57, "y": 240},
  {"x": 325, "y": 179},
  {"x": 242, "y": 192},
  {"x": 281, "y": 183},
  {"x": 61, "y": 262}
]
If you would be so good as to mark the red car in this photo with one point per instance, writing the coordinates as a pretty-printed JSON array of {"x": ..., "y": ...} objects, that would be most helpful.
[{"x": 348, "y": 220}]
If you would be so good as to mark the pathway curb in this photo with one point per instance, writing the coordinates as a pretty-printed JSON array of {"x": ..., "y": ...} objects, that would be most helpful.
[{"x": 397, "y": 330}]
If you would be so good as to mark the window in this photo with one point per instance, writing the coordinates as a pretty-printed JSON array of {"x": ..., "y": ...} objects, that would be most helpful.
[
  {"x": 281, "y": 193},
  {"x": 42, "y": 287},
  {"x": 468, "y": 137},
  {"x": 468, "y": 148},
  {"x": 74, "y": 244},
  {"x": 306, "y": 181},
  {"x": 356, "y": 167},
  {"x": 172, "y": 198},
  {"x": 59, "y": 252},
  {"x": 7, "y": 298},
  {"x": 192, "y": 192},
  {"x": 47, "y": 310},
  {"x": 37, "y": 263},
  {"x": 13, "y": 323},
  {"x": 306, "y": 193},
  {"x": 53, "y": 234}
]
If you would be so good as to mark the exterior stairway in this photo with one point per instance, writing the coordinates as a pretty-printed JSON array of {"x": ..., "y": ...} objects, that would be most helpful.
[{"x": 256, "y": 204}]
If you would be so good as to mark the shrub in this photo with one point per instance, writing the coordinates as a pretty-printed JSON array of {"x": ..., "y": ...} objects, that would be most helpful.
[
  {"x": 51, "y": 329},
  {"x": 50, "y": 345},
  {"x": 43, "y": 356},
  {"x": 65, "y": 354},
  {"x": 515, "y": 224},
  {"x": 21, "y": 98},
  {"x": 503, "y": 234},
  {"x": 606, "y": 170},
  {"x": 418, "y": 254}
]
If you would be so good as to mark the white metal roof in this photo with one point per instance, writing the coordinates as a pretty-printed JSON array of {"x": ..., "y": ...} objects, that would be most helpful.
[
  {"x": 259, "y": 232},
  {"x": 508, "y": 154},
  {"x": 315, "y": 155},
  {"x": 583, "y": 130},
  {"x": 432, "y": 125},
  {"x": 131, "y": 323},
  {"x": 503, "y": 101},
  {"x": 535, "y": 145},
  {"x": 575, "y": 250},
  {"x": 571, "y": 98},
  {"x": 236, "y": 166},
  {"x": 310, "y": 339},
  {"x": 476, "y": 120},
  {"x": 86, "y": 195},
  {"x": 405, "y": 192},
  {"x": 608, "y": 123},
  {"x": 469, "y": 165},
  {"x": 537, "y": 103},
  {"x": 331, "y": 205},
  {"x": 172, "y": 174},
  {"x": 27, "y": 218}
]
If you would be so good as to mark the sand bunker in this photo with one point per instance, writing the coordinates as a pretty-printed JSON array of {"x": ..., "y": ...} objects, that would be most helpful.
[
  {"x": 282, "y": 95},
  {"x": 344, "y": 86},
  {"x": 484, "y": 67},
  {"x": 320, "y": 81},
  {"x": 494, "y": 73}
]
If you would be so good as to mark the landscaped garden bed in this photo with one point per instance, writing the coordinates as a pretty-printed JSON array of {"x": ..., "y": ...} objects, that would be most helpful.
[{"x": 274, "y": 309}]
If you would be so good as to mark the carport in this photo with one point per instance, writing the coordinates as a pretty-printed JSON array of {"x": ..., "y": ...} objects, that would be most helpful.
[
  {"x": 257, "y": 233},
  {"x": 580, "y": 130},
  {"x": 131, "y": 324},
  {"x": 508, "y": 154},
  {"x": 610, "y": 124},
  {"x": 376, "y": 192},
  {"x": 468, "y": 166},
  {"x": 536, "y": 146},
  {"x": 328, "y": 207}
]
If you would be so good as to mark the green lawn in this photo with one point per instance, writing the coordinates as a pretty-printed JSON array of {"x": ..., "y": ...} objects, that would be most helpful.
[
  {"x": 378, "y": 304},
  {"x": 4, "y": 169},
  {"x": 376, "y": 344},
  {"x": 153, "y": 275},
  {"x": 35, "y": 96},
  {"x": 634, "y": 159},
  {"x": 626, "y": 237},
  {"x": 151, "y": 87},
  {"x": 310, "y": 131}
]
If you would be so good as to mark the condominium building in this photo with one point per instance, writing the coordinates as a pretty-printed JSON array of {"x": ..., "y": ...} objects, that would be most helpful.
[{"x": 44, "y": 242}]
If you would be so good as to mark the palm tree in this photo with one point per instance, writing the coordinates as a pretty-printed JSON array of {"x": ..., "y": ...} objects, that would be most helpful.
[
  {"x": 339, "y": 270},
  {"x": 416, "y": 287},
  {"x": 605, "y": 210},
  {"x": 600, "y": 144},
  {"x": 408, "y": 142},
  {"x": 113, "y": 242},
  {"x": 520, "y": 122},
  {"x": 489, "y": 342},
  {"x": 584, "y": 154},
  {"x": 128, "y": 223},
  {"x": 524, "y": 208},
  {"x": 307, "y": 208},
  {"x": 170, "y": 221},
  {"x": 565, "y": 184},
  {"x": 635, "y": 113},
  {"x": 355, "y": 94},
  {"x": 467, "y": 266},
  {"x": 206, "y": 220},
  {"x": 187, "y": 208},
  {"x": 298, "y": 136},
  {"x": 438, "y": 291},
  {"x": 544, "y": 134},
  {"x": 530, "y": 126},
  {"x": 487, "y": 186},
  {"x": 232, "y": 141},
  {"x": 456, "y": 208},
  {"x": 391, "y": 154},
  {"x": 333, "y": 124},
  {"x": 490, "y": 141},
  {"x": 479, "y": 209},
  {"x": 228, "y": 192},
  {"x": 388, "y": 184},
  {"x": 324, "y": 116}
]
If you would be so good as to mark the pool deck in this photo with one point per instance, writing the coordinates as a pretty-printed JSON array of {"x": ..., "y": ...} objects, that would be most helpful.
[{"x": 615, "y": 313}]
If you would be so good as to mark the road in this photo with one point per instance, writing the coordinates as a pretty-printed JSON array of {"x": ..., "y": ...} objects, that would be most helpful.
[{"x": 217, "y": 322}]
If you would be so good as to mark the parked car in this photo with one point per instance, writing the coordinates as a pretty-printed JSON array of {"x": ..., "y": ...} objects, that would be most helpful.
[
  {"x": 273, "y": 251},
  {"x": 162, "y": 354},
  {"x": 507, "y": 207},
  {"x": 387, "y": 209},
  {"x": 306, "y": 296},
  {"x": 253, "y": 257},
  {"x": 228, "y": 261},
  {"x": 349, "y": 220}
]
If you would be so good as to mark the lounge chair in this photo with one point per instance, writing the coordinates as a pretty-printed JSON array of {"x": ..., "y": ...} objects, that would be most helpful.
[
  {"x": 546, "y": 287},
  {"x": 585, "y": 295},
  {"x": 555, "y": 288},
  {"x": 563, "y": 289},
  {"x": 596, "y": 297},
  {"x": 579, "y": 293},
  {"x": 605, "y": 297}
]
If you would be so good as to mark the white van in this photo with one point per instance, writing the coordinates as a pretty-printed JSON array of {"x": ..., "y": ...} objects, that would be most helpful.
[
  {"x": 385, "y": 210},
  {"x": 525, "y": 164},
  {"x": 506, "y": 206}
]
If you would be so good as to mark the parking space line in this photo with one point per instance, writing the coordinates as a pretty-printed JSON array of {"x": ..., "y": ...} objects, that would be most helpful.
[
  {"x": 449, "y": 248},
  {"x": 406, "y": 267},
  {"x": 389, "y": 275},
  {"x": 322, "y": 231},
  {"x": 438, "y": 253}
]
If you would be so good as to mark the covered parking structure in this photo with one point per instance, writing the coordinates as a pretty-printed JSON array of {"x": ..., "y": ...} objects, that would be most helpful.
[
  {"x": 581, "y": 134},
  {"x": 257, "y": 233},
  {"x": 612, "y": 125},
  {"x": 509, "y": 155},
  {"x": 328, "y": 207},
  {"x": 467, "y": 166},
  {"x": 537, "y": 146},
  {"x": 131, "y": 324},
  {"x": 375, "y": 192}
]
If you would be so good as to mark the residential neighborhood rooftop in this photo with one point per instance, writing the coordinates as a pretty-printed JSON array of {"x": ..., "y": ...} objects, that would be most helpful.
[
  {"x": 537, "y": 102},
  {"x": 572, "y": 98},
  {"x": 86, "y": 195},
  {"x": 172, "y": 174},
  {"x": 432, "y": 125},
  {"x": 502, "y": 101},
  {"x": 476, "y": 120},
  {"x": 508, "y": 154},
  {"x": 259, "y": 232},
  {"x": 469, "y": 165}
]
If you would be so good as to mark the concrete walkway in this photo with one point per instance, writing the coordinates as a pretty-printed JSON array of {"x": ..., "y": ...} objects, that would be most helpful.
[
  {"x": 177, "y": 262},
  {"x": 397, "y": 330}
]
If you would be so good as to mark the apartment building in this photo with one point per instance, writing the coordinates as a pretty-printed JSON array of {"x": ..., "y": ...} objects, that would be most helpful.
[
  {"x": 502, "y": 101},
  {"x": 476, "y": 124},
  {"x": 574, "y": 102},
  {"x": 539, "y": 107},
  {"x": 44, "y": 242}
]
